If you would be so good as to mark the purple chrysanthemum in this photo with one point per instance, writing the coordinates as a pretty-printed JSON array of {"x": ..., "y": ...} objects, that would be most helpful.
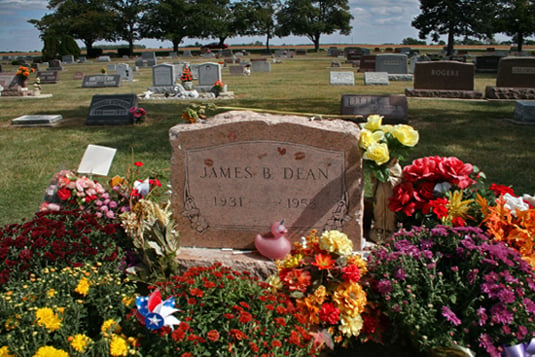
[{"x": 450, "y": 316}]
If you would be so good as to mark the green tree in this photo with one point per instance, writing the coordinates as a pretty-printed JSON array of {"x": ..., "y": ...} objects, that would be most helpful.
[
  {"x": 128, "y": 15},
  {"x": 312, "y": 18},
  {"x": 259, "y": 18},
  {"x": 219, "y": 19},
  {"x": 455, "y": 18},
  {"x": 516, "y": 18},
  {"x": 85, "y": 20},
  {"x": 56, "y": 43},
  {"x": 168, "y": 20}
]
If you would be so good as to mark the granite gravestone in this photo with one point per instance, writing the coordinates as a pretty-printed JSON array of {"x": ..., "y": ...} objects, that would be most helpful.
[
  {"x": 101, "y": 81},
  {"x": 516, "y": 72},
  {"x": 37, "y": 120},
  {"x": 163, "y": 75},
  {"x": 112, "y": 109},
  {"x": 126, "y": 73},
  {"x": 393, "y": 108},
  {"x": 8, "y": 80},
  {"x": 209, "y": 73},
  {"x": 488, "y": 64},
  {"x": 342, "y": 78},
  {"x": 149, "y": 58},
  {"x": 104, "y": 59},
  {"x": 525, "y": 111},
  {"x": 54, "y": 65},
  {"x": 450, "y": 75},
  {"x": 239, "y": 172},
  {"x": 376, "y": 78},
  {"x": 78, "y": 75},
  {"x": 68, "y": 59},
  {"x": 260, "y": 66},
  {"x": 48, "y": 77},
  {"x": 236, "y": 70},
  {"x": 392, "y": 63},
  {"x": 367, "y": 63}
]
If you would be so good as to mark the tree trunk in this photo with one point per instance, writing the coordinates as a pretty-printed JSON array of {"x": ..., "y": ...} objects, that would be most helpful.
[
  {"x": 88, "y": 47},
  {"x": 316, "y": 43},
  {"x": 175, "y": 45},
  {"x": 267, "y": 44},
  {"x": 130, "y": 47},
  {"x": 451, "y": 41},
  {"x": 519, "y": 41}
]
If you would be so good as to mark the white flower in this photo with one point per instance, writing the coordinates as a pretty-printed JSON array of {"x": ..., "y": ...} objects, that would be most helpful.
[
  {"x": 142, "y": 187},
  {"x": 513, "y": 204},
  {"x": 529, "y": 199}
]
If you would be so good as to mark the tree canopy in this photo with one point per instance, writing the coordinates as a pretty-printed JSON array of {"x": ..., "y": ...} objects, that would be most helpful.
[
  {"x": 516, "y": 18},
  {"x": 453, "y": 18},
  {"x": 312, "y": 18}
]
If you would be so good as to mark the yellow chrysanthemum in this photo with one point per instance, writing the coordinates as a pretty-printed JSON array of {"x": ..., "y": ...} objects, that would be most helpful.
[
  {"x": 275, "y": 282},
  {"x": 336, "y": 242},
  {"x": 373, "y": 122},
  {"x": 4, "y": 352},
  {"x": 312, "y": 309},
  {"x": 51, "y": 292},
  {"x": 406, "y": 135},
  {"x": 118, "y": 346},
  {"x": 377, "y": 152},
  {"x": 292, "y": 261},
  {"x": 48, "y": 318},
  {"x": 350, "y": 298},
  {"x": 108, "y": 326},
  {"x": 49, "y": 351},
  {"x": 319, "y": 294},
  {"x": 83, "y": 286},
  {"x": 128, "y": 300},
  {"x": 350, "y": 325},
  {"x": 80, "y": 342}
]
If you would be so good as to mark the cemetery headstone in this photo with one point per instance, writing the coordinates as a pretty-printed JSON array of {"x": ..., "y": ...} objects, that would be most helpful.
[
  {"x": 367, "y": 63},
  {"x": 37, "y": 120},
  {"x": 101, "y": 81},
  {"x": 163, "y": 75},
  {"x": 376, "y": 78},
  {"x": 186, "y": 53},
  {"x": 209, "y": 73},
  {"x": 516, "y": 72},
  {"x": 111, "y": 109},
  {"x": 48, "y": 77},
  {"x": 239, "y": 172},
  {"x": 333, "y": 52},
  {"x": 68, "y": 59},
  {"x": 236, "y": 70},
  {"x": 342, "y": 78},
  {"x": 525, "y": 111},
  {"x": 392, "y": 63},
  {"x": 393, "y": 108},
  {"x": 82, "y": 59},
  {"x": 515, "y": 79},
  {"x": 111, "y": 67},
  {"x": 301, "y": 51},
  {"x": 126, "y": 73},
  {"x": 104, "y": 59},
  {"x": 448, "y": 79},
  {"x": 487, "y": 64},
  {"x": 260, "y": 66},
  {"x": 7, "y": 80},
  {"x": 54, "y": 65}
]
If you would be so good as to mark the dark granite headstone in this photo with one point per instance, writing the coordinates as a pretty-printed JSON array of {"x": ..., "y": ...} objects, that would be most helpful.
[
  {"x": 367, "y": 63},
  {"x": 516, "y": 72},
  {"x": 393, "y": 108},
  {"x": 48, "y": 77},
  {"x": 449, "y": 75},
  {"x": 112, "y": 109},
  {"x": 8, "y": 80},
  {"x": 101, "y": 81},
  {"x": 487, "y": 64},
  {"x": 55, "y": 65},
  {"x": 392, "y": 63}
]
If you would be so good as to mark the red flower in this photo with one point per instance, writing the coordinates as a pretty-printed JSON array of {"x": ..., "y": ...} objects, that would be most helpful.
[
  {"x": 138, "y": 163},
  {"x": 245, "y": 317},
  {"x": 296, "y": 279},
  {"x": 186, "y": 354},
  {"x": 455, "y": 171},
  {"x": 425, "y": 168},
  {"x": 403, "y": 199},
  {"x": 276, "y": 343},
  {"x": 196, "y": 292},
  {"x": 295, "y": 338},
  {"x": 329, "y": 313},
  {"x": 212, "y": 335},
  {"x": 351, "y": 273},
  {"x": 438, "y": 207},
  {"x": 64, "y": 194},
  {"x": 501, "y": 189},
  {"x": 323, "y": 261},
  {"x": 178, "y": 334},
  {"x": 237, "y": 334}
]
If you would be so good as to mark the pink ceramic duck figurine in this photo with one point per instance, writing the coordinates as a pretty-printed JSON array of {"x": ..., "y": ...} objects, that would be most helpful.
[{"x": 274, "y": 245}]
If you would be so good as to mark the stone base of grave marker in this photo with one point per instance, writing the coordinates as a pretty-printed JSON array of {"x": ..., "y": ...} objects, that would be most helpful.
[
  {"x": 400, "y": 77},
  {"x": 239, "y": 172},
  {"x": 443, "y": 93},
  {"x": 525, "y": 111},
  {"x": 509, "y": 93}
]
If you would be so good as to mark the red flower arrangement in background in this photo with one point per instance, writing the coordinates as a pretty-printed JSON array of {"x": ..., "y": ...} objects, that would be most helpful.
[{"x": 437, "y": 190}]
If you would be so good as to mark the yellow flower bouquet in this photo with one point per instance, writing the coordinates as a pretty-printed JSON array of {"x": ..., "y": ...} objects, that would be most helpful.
[
  {"x": 384, "y": 144},
  {"x": 321, "y": 274}
]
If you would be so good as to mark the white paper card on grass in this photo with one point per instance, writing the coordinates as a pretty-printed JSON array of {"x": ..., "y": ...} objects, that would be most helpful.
[{"x": 96, "y": 160}]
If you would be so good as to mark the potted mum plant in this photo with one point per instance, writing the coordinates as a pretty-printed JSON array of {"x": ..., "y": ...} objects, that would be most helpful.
[
  {"x": 218, "y": 87},
  {"x": 186, "y": 78},
  {"x": 446, "y": 287}
]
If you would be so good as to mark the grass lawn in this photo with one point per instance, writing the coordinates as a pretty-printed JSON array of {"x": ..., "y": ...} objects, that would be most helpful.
[{"x": 475, "y": 131}]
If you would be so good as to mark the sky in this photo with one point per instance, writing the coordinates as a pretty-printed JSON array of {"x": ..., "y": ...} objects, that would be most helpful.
[{"x": 375, "y": 22}]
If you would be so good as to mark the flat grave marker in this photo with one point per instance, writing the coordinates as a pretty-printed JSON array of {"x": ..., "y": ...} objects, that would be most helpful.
[
  {"x": 101, "y": 81},
  {"x": 344, "y": 78},
  {"x": 376, "y": 78},
  {"x": 111, "y": 109},
  {"x": 37, "y": 120},
  {"x": 394, "y": 108},
  {"x": 48, "y": 77}
]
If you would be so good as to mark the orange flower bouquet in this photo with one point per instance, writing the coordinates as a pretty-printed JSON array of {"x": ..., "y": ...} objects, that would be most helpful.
[{"x": 321, "y": 274}]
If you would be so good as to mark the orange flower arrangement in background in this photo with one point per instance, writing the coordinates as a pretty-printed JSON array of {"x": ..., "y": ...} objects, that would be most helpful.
[
  {"x": 514, "y": 226},
  {"x": 24, "y": 72}
]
